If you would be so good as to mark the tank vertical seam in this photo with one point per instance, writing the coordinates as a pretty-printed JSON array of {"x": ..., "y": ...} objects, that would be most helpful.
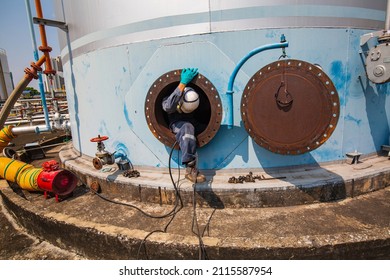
[{"x": 218, "y": 166}]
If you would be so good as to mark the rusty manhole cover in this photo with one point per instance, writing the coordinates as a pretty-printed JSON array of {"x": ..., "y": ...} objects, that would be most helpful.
[{"x": 290, "y": 107}]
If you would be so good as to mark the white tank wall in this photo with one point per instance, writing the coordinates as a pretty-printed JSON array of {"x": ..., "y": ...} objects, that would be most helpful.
[{"x": 112, "y": 64}]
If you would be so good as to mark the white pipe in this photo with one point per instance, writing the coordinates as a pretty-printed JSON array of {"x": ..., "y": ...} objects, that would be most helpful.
[
  {"x": 24, "y": 121},
  {"x": 35, "y": 117},
  {"x": 19, "y": 130},
  {"x": 35, "y": 99},
  {"x": 29, "y": 129}
]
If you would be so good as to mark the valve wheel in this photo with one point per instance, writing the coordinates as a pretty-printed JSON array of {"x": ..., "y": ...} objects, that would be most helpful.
[{"x": 99, "y": 138}]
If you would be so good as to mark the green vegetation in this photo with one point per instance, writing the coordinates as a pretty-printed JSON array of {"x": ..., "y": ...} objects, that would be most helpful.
[{"x": 30, "y": 92}]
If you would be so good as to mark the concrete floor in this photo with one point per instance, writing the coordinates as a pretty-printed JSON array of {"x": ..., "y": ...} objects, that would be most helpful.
[
  {"x": 356, "y": 226},
  {"x": 17, "y": 244}
]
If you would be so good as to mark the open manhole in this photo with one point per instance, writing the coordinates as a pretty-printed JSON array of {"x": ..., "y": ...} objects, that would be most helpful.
[{"x": 208, "y": 114}]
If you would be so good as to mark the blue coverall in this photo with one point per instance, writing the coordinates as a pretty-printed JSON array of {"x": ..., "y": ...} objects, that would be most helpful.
[{"x": 183, "y": 125}]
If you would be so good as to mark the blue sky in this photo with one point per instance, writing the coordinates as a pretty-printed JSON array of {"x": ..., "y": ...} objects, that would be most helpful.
[{"x": 15, "y": 35}]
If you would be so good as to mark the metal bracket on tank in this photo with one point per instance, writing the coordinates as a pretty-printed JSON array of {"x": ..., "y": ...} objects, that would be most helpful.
[
  {"x": 377, "y": 55},
  {"x": 49, "y": 22},
  {"x": 353, "y": 158}
]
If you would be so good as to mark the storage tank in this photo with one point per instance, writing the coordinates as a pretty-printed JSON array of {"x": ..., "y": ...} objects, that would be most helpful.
[
  {"x": 6, "y": 86},
  {"x": 121, "y": 58}
]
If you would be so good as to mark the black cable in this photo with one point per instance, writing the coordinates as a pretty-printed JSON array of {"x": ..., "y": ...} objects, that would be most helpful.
[
  {"x": 178, "y": 198},
  {"x": 149, "y": 234},
  {"x": 202, "y": 250},
  {"x": 170, "y": 213}
]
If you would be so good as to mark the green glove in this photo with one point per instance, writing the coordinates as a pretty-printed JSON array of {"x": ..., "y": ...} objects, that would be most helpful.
[{"x": 188, "y": 74}]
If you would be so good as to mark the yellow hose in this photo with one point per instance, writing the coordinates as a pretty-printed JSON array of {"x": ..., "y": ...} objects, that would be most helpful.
[
  {"x": 24, "y": 174},
  {"x": 6, "y": 136}
]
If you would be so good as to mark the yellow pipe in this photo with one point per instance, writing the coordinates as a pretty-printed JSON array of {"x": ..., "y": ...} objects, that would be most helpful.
[{"x": 24, "y": 174}]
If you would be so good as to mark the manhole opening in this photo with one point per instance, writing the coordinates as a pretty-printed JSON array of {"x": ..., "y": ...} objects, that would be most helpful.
[
  {"x": 208, "y": 114},
  {"x": 202, "y": 114}
]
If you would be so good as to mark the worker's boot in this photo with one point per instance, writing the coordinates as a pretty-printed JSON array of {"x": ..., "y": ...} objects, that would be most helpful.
[{"x": 193, "y": 174}]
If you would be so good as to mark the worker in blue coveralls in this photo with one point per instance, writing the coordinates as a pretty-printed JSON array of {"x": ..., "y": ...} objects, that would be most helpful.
[{"x": 180, "y": 106}]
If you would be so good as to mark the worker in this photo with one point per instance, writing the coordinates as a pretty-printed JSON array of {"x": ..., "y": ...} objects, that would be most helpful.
[{"x": 180, "y": 106}]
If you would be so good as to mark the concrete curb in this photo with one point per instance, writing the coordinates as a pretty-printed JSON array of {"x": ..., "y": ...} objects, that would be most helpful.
[
  {"x": 99, "y": 240},
  {"x": 302, "y": 185}
]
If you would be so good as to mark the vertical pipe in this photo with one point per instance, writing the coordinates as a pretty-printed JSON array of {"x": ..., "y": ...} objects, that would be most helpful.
[
  {"x": 44, "y": 48},
  {"x": 34, "y": 45},
  {"x": 387, "y": 22}
]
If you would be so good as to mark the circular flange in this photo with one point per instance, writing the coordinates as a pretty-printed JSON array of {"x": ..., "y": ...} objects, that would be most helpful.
[
  {"x": 290, "y": 107},
  {"x": 97, "y": 163},
  {"x": 209, "y": 112}
]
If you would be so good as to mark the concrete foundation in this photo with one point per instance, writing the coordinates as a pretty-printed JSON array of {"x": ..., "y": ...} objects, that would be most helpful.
[
  {"x": 347, "y": 218},
  {"x": 279, "y": 186}
]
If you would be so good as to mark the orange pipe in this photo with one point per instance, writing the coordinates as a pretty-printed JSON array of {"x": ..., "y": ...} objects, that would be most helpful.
[
  {"x": 44, "y": 48},
  {"x": 31, "y": 73}
]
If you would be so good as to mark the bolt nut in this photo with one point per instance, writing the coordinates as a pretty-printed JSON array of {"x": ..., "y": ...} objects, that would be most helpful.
[{"x": 379, "y": 71}]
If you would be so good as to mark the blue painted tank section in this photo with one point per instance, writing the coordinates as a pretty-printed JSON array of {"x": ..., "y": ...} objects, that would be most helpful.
[{"x": 107, "y": 88}]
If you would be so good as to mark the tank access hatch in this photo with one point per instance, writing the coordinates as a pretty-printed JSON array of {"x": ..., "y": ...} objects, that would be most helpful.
[
  {"x": 208, "y": 114},
  {"x": 290, "y": 107}
]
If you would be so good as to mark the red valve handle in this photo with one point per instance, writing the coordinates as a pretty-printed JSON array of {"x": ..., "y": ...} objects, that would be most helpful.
[{"x": 99, "y": 138}]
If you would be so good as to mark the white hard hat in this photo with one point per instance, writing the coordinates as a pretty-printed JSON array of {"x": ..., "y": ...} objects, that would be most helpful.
[{"x": 190, "y": 100}]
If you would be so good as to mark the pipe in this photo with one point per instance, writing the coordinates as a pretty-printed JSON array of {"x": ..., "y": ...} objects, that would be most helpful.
[
  {"x": 283, "y": 44},
  {"x": 33, "y": 120},
  {"x": 387, "y": 21},
  {"x": 44, "y": 48},
  {"x": 18, "y": 122},
  {"x": 19, "y": 130},
  {"x": 120, "y": 155},
  {"x": 18, "y": 90},
  {"x": 34, "y": 44}
]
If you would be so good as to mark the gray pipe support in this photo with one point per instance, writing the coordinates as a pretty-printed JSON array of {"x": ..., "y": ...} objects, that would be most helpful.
[{"x": 387, "y": 22}]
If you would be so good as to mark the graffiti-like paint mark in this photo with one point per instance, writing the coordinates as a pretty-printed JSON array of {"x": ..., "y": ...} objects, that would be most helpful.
[
  {"x": 125, "y": 111},
  {"x": 353, "y": 119}
]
